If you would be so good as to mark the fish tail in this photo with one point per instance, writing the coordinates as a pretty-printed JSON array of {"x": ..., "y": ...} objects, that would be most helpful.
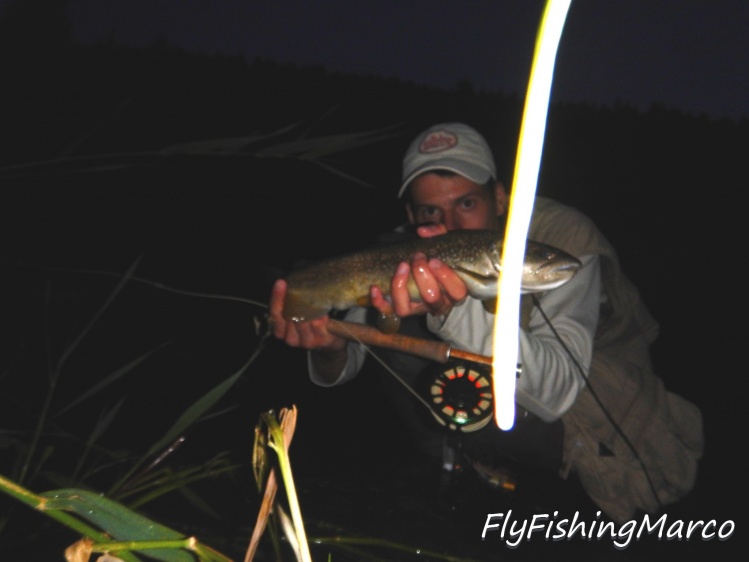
[{"x": 296, "y": 309}]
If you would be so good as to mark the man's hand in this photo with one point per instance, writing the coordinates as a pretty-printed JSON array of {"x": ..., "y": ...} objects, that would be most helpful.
[
  {"x": 312, "y": 334},
  {"x": 439, "y": 286}
]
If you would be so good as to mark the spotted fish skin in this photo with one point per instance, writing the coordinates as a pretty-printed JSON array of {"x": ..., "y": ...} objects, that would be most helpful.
[{"x": 343, "y": 282}]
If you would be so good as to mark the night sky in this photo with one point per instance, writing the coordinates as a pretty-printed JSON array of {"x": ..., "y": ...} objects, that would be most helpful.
[{"x": 689, "y": 55}]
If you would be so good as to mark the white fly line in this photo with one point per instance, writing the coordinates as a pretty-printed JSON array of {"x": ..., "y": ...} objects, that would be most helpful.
[{"x": 528, "y": 161}]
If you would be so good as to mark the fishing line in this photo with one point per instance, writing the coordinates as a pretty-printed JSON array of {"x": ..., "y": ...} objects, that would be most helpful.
[
  {"x": 418, "y": 396},
  {"x": 600, "y": 403},
  {"x": 530, "y": 147},
  {"x": 155, "y": 284},
  {"x": 398, "y": 378},
  {"x": 164, "y": 287}
]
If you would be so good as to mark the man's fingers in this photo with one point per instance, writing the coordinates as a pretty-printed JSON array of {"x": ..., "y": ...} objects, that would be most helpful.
[
  {"x": 275, "y": 309},
  {"x": 429, "y": 230},
  {"x": 400, "y": 299},
  {"x": 429, "y": 288},
  {"x": 453, "y": 287},
  {"x": 379, "y": 301}
]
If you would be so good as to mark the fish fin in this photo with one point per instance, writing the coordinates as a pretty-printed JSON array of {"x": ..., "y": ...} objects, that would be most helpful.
[
  {"x": 297, "y": 309},
  {"x": 388, "y": 323},
  {"x": 362, "y": 301}
]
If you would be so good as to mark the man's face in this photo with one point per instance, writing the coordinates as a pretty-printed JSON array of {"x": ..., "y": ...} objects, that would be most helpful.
[{"x": 456, "y": 202}]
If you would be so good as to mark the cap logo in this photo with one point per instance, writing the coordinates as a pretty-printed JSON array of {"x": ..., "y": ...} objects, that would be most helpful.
[{"x": 437, "y": 142}]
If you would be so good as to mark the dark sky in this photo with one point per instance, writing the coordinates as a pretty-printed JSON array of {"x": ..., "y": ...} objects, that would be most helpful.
[{"x": 691, "y": 55}]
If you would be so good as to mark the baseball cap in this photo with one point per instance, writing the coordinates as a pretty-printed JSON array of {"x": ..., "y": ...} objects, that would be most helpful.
[{"x": 449, "y": 146}]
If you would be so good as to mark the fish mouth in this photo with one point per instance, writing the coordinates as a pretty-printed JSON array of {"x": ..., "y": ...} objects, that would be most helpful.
[
  {"x": 554, "y": 274},
  {"x": 564, "y": 266},
  {"x": 567, "y": 268}
]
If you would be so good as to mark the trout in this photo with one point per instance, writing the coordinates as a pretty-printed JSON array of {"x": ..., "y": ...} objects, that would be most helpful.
[{"x": 343, "y": 282}]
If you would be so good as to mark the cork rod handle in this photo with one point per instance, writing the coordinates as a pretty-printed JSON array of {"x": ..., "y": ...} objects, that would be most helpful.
[{"x": 427, "y": 349}]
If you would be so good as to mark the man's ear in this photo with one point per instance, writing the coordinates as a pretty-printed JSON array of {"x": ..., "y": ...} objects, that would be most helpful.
[{"x": 501, "y": 199}]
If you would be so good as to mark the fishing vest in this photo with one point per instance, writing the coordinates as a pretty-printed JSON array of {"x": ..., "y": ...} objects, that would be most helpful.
[{"x": 662, "y": 432}]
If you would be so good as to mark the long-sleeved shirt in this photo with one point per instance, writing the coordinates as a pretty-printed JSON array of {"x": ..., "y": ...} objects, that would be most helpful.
[
  {"x": 651, "y": 438},
  {"x": 550, "y": 381}
]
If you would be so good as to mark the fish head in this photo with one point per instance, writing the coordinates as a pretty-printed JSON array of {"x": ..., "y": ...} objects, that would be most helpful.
[
  {"x": 479, "y": 266},
  {"x": 546, "y": 267}
]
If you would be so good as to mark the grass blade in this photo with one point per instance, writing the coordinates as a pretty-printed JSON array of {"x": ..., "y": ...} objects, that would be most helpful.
[
  {"x": 193, "y": 414},
  {"x": 116, "y": 520},
  {"x": 122, "y": 282},
  {"x": 110, "y": 379}
]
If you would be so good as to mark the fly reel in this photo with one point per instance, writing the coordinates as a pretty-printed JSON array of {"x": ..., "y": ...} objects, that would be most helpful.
[{"x": 460, "y": 395}]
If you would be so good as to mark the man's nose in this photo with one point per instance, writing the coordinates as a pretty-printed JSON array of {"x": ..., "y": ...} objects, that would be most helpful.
[{"x": 450, "y": 222}]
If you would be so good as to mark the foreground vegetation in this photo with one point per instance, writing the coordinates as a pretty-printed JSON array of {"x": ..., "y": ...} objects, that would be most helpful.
[{"x": 110, "y": 521}]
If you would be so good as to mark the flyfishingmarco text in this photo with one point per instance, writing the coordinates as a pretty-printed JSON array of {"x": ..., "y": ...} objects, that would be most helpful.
[{"x": 553, "y": 527}]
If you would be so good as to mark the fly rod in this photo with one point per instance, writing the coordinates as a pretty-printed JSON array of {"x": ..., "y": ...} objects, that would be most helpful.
[{"x": 438, "y": 351}]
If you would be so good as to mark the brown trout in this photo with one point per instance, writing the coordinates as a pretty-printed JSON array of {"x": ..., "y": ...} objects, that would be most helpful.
[{"x": 343, "y": 282}]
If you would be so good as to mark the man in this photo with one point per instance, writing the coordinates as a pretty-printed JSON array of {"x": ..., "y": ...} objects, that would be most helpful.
[{"x": 587, "y": 398}]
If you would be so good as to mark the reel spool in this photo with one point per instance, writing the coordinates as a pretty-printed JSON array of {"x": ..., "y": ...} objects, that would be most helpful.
[{"x": 460, "y": 395}]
